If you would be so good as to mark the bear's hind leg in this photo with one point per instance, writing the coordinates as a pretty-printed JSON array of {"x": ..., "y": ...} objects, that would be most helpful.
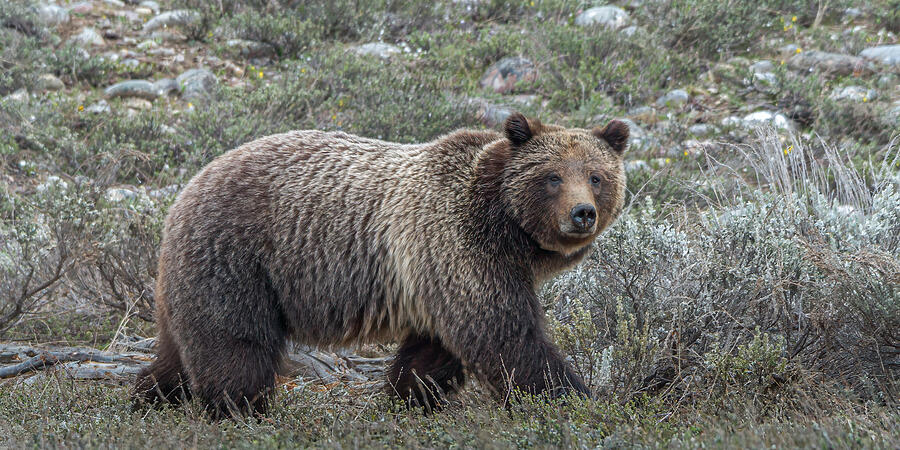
[
  {"x": 164, "y": 380},
  {"x": 424, "y": 372}
]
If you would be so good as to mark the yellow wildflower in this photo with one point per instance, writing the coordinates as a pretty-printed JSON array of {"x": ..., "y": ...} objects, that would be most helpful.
[
  {"x": 340, "y": 103},
  {"x": 80, "y": 108},
  {"x": 260, "y": 74},
  {"x": 334, "y": 117},
  {"x": 190, "y": 105},
  {"x": 799, "y": 50},
  {"x": 865, "y": 99},
  {"x": 685, "y": 153},
  {"x": 668, "y": 160},
  {"x": 794, "y": 19}
]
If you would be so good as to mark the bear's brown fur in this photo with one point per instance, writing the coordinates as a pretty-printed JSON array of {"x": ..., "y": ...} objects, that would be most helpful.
[{"x": 330, "y": 239}]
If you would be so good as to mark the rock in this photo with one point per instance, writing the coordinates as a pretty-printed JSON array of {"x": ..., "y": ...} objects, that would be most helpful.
[
  {"x": 52, "y": 15},
  {"x": 488, "y": 113},
  {"x": 642, "y": 114},
  {"x": 673, "y": 99},
  {"x": 132, "y": 88},
  {"x": 115, "y": 3},
  {"x": 764, "y": 66},
  {"x": 788, "y": 50},
  {"x": 503, "y": 75},
  {"x": 833, "y": 63},
  {"x": 147, "y": 45},
  {"x": 171, "y": 18},
  {"x": 893, "y": 115},
  {"x": 636, "y": 165},
  {"x": 731, "y": 121},
  {"x": 854, "y": 94},
  {"x": 161, "y": 51},
  {"x": 761, "y": 118},
  {"x": 131, "y": 63},
  {"x": 611, "y": 17},
  {"x": 116, "y": 195},
  {"x": 101, "y": 107},
  {"x": 53, "y": 182},
  {"x": 20, "y": 95},
  {"x": 138, "y": 103},
  {"x": 165, "y": 192},
  {"x": 195, "y": 83},
  {"x": 888, "y": 81},
  {"x": 81, "y": 7},
  {"x": 167, "y": 36},
  {"x": 88, "y": 36},
  {"x": 165, "y": 86},
  {"x": 852, "y": 13},
  {"x": 379, "y": 49},
  {"x": 254, "y": 49},
  {"x": 48, "y": 82},
  {"x": 702, "y": 129},
  {"x": 149, "y": 4},
  {"x": 143, "y": 11},
  {"x": 889, "y": 55}
]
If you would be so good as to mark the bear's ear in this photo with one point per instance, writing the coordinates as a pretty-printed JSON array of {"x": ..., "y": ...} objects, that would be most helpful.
[
  {"x": 615, "y": 133},
  {"x": 517, "y": 129}
]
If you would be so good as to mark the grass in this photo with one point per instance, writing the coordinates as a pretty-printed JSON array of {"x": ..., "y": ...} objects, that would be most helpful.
[{"x": 747, "y": 297}]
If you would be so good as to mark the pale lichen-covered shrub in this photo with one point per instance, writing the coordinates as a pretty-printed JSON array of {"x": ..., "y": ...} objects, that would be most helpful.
[{"x": 782, "y": 291}]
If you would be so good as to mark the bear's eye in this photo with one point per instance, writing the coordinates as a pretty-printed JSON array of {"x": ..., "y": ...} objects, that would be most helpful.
[
  {"x": 595, "y": 180},
  {"x": 554, "y": 179}
]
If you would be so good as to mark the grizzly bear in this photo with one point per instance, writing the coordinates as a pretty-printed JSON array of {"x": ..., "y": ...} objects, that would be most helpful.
[{"x": 330, "y": 239}]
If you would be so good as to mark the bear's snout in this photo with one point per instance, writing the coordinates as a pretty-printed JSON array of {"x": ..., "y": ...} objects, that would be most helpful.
[{"x": 584, "y": 217}]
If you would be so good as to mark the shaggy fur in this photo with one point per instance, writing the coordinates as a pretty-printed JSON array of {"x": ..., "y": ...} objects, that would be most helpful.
[{"x": 330, "y": 239}]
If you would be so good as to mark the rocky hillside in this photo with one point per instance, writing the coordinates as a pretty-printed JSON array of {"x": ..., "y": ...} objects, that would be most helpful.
[{"x": 748, "y": 296}]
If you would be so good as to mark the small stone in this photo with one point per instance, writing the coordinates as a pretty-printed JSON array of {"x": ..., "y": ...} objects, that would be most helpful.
[
  {"x": 629, "y": 31},
  {"x": 761, "y": 118},
  {"x": 52, "y": 15},
  {"x": 138, "y": 103},
  {"x": 195, "y": 83},
  {"x": 81, "y": 7},
  {"x": 162, "y": 51},
  {"x": 788, "y": 50},
  {"x": 167, "y": 36},
  {"x": 116, "y": 3},
  {"x": 611, "y": 17},
  {"x": 116, "y": 195},
  {"x": 143, "y": 11},
  {"x": 702, "y": 129},
  {"x": 642, "y": 113},
  {"x": 731, "y": 121},
  {"x": 889, "y": 55},
  {"x": 379, "y": 49},
  {"x": 857, "y": 94},
  {"x": 171, "y": 18},
  {"x": 673, "y": 99},
  {"x": 764, "y": 66},
  {"x": 132, "y": 88},
  {"x": 166, "y": 86},
  {"x": 48, "y": 82},
  {"x": 503, "y": 75},
  {"x": 852, "y": 13},
  {"x": 20, "y": 95},
  {"x": 101, "y": 107},
  {"x": 636, "y": 166},
  {"x": 165, "y": 192},
  {"x": 834, "y": 63},
  {"x": 888, "y": 81},
  {"x": 88, "y": 36},
  {"x": 131, "y": 63},
  {"x": 252, "y": 49},
  {"x": 146, "y": 45},
  {"x": 149, "y": 4},
  {"x": 52, "y": 183}
]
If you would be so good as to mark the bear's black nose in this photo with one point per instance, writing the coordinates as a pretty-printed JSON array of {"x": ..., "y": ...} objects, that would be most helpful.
[{"x": 583, "y": 217}]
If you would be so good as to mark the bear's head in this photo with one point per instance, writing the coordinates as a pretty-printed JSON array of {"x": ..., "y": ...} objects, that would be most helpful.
[{"x": 562, "y": 185}]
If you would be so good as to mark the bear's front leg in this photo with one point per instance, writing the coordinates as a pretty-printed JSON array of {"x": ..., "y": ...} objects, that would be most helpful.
[
  {"x": 502, "y": 341},
  {"x": 424, "y": 372}
]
